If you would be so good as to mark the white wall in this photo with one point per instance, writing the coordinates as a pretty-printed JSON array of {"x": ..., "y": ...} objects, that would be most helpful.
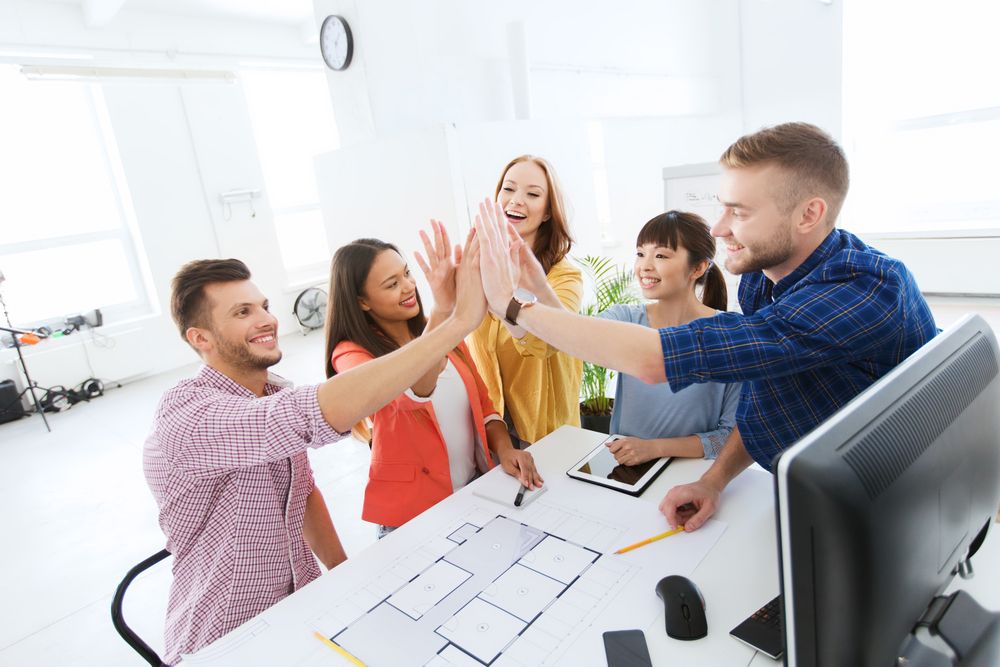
[
  {"x": 180, "y": 147},
  {"x": 655, "y": 75},
  {"x": 790, "y": 62},
  {"x": 426, "y": 115}
]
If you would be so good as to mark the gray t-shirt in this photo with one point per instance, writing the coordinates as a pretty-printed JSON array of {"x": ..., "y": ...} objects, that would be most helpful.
[{"x": 654, "y": 411}]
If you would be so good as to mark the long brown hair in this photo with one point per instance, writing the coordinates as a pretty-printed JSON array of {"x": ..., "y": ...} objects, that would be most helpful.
[
  {"x": 345, "y": 319},
  {"x": 690, "y": 231},
  {"x": 552, "y": 241}
]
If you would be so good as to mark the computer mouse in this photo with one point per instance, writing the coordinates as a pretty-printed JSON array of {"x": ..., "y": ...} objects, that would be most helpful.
[{"x": 683, "y": 607}]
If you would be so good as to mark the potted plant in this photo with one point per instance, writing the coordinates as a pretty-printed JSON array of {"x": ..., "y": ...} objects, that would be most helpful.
[{"x": 612, "y": 284}]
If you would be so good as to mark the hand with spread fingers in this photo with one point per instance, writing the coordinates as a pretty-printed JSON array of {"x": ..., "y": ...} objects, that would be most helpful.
[
  {"x": 499, "y": 267},
  {"x": 439, "y": 266},
  {"x": 470, "y": 302},
  {"x": 532, "y": 274}
]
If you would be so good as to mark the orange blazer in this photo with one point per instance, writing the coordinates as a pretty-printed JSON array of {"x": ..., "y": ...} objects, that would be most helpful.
[{"x": 409, "y": 468}]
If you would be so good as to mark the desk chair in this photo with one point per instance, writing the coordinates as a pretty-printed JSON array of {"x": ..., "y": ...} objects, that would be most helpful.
[{"x": 132, "y": 639}]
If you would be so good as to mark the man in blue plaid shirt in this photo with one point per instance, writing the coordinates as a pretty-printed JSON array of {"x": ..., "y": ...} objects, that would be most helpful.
[{"x": 824, "y": 314}]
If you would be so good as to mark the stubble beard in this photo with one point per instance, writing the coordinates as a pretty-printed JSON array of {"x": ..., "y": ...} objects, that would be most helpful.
[
  {"x": 776, "y": 251},
  {"x": 241, "y": 357}
]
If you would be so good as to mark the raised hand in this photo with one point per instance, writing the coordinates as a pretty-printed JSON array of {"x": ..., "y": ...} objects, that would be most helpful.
[
  {"x": 531, "y": 273},
  {"x": 470, "y": 302},
  {"x": 499, "y": 272},
  {"x": 439, "y": 267}
]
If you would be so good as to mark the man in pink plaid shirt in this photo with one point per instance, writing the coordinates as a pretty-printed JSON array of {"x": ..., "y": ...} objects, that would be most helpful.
[{"x": 226, "y": 460}]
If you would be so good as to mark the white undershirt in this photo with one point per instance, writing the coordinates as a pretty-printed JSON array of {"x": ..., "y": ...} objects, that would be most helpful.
[{"x": 454, "y": 417}]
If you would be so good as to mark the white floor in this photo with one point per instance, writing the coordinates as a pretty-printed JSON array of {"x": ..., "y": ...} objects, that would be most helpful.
[{"x": 77, "y": 514}]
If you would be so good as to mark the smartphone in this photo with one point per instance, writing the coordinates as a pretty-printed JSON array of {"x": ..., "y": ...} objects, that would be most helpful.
[{"x": 626, "y": 648}]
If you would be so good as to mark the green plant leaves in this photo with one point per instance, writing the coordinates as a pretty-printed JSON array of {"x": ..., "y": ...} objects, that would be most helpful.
[{"x": 612, "y": 284}]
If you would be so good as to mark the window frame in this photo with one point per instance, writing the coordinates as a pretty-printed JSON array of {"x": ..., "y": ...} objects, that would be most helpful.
[{"x": 126, "y": 233}]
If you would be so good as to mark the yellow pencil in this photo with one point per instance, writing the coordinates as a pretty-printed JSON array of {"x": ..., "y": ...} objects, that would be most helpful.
[
  {"x": 338, "y": 649},
  {"x": 678, "y": 529}
]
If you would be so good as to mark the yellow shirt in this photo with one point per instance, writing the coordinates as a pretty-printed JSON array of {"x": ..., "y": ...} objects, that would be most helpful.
[{"x": 538, "y": 385}]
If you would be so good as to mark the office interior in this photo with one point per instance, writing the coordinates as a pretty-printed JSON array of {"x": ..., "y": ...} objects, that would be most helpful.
[{"x": 151, "y": 132}]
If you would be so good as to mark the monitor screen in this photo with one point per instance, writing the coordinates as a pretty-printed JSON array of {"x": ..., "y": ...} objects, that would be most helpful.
[{"x": 879, "y": 504}]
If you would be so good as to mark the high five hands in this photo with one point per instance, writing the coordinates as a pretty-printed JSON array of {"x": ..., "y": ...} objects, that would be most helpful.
[
  {"x": 505, "y": 261},
  {"x": 453, "y": 278},
  {"x": 440, "y": 266}
]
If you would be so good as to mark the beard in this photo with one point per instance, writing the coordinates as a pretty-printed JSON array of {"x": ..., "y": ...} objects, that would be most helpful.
[
  {"x": 239, "y": 355},
  {"x": 775, "y": 251}
]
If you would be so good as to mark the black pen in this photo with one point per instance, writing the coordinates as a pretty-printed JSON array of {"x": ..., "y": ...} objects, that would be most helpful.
[{"x": 520, "y": 496}]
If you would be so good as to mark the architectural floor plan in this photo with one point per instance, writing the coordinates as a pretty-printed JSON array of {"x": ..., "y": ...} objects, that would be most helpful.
[{"x": 499, "y": 593}]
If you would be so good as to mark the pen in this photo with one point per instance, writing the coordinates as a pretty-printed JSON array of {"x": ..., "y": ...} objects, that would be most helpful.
[
  {"x": 338, "y": 649},
  {"x": 678, "y": 529},
  {"x": 519, "y": 498}
]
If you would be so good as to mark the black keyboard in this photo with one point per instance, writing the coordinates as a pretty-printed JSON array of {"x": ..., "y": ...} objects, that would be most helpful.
[{"x": 763, "y": 630}]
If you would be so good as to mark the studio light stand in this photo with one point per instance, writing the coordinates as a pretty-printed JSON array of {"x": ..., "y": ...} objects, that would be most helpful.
[{"x": 14, "y": 333}]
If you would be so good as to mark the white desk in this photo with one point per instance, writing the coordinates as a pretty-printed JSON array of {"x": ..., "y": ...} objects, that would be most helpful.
[{"x": 736, "y": 577}]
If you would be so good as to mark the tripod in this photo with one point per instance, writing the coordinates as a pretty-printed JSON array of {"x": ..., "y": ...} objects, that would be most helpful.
[{"x": 24, "y": 367}]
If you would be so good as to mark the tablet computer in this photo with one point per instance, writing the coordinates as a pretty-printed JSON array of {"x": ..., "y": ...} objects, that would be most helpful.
[{"x": 600, "y": 467}]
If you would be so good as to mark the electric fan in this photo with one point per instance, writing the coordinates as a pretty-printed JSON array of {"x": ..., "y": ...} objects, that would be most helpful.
[{"x": 310, "y": 309}]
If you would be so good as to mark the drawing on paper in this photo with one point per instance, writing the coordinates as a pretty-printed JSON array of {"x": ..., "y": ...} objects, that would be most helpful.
[{"x": 499, "y": 593}]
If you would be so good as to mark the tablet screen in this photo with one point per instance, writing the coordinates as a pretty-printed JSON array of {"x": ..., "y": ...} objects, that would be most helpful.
[
  {"x": 602, "y": 464},
  {"x": 599, "y": 467}
]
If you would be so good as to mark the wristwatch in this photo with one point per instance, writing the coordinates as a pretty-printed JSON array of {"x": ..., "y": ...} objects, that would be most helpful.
[{"x": 522, "y": 299}]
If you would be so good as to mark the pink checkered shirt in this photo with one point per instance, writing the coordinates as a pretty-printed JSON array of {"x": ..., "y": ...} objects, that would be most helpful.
[{"x": 230, "y": 473}]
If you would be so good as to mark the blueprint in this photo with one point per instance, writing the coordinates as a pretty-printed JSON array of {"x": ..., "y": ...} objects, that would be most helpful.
[
  {"x": 480, "y": 582},
  {"x": 500, "y": 593}
]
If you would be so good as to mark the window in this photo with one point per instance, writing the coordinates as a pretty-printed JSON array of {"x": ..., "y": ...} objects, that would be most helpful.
[
  {"x": 922, "y": 117},
  {"x": 292, "y": 118},
  {"x": 66, "y": 245}
]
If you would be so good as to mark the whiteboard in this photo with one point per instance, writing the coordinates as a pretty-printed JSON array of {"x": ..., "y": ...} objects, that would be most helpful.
[{"x": 695, "y": 188}]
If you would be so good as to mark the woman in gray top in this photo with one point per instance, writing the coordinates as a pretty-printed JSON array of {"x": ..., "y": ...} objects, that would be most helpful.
[{"x": 674, "y": 255}]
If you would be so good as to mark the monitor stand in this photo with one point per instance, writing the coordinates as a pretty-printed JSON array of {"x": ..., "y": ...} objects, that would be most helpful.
[{"x": 970, "y": 632}]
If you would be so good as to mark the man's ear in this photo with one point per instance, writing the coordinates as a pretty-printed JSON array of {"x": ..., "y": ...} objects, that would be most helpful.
[
  {"x": 199, "y": 339},
  {"x": 813, "y": 215}
]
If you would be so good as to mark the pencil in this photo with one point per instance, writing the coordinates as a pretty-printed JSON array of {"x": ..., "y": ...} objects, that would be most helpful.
[
  {"x": 338, "y": 649},
  {"x": 678, "y": 529}
]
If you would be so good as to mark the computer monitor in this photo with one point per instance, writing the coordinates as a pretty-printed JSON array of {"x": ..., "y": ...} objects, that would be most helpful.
[{"x": 880, "y": 505}]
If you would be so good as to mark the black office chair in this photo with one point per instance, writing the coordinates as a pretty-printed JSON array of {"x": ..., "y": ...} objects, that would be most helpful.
[{"x": 132, "y": 639}]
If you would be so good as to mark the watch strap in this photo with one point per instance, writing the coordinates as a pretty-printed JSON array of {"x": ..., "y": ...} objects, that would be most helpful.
[{"x": 513, "y": 310}]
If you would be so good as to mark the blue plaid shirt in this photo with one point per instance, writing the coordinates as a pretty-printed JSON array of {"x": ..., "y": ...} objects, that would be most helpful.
[{"x": 807, "y": 345}]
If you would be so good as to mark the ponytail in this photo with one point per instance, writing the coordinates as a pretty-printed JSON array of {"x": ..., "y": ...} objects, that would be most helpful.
[{"x": 714, "y": 293}]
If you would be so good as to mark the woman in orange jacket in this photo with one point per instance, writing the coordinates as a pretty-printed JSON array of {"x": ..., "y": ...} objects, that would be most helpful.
[{"x": 443, "y": 431}]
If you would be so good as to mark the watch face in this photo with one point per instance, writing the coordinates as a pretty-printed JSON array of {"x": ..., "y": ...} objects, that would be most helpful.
[
  {"x": 523, "y": 296},
  {"x": 336, "y": 43}
]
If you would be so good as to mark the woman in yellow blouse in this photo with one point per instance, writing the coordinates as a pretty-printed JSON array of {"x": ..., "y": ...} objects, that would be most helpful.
[{"x": 535, "y": 387}]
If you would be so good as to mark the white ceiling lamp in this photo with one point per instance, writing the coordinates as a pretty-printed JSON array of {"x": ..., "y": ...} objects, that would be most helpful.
[{"x": 125, "y": 74}]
